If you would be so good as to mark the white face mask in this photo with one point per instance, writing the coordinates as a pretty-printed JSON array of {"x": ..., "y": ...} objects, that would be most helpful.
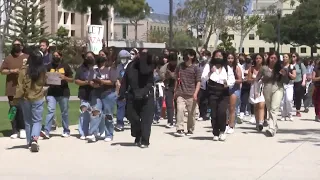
[
  {"x": 123, "y": 61},
  {"x": 204, "y": 58}
]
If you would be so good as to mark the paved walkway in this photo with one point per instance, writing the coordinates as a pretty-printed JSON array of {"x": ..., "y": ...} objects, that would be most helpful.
[
  {"x": 293, "y": 154},
  {"x": 4, "y": 98}
]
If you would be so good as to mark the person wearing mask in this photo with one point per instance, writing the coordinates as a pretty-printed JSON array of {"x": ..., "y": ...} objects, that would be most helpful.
[
  {"x": 124, "y": 57},
  {"x": 219, "y": 78},
  {"x": 307, "y": 99},
  {"x": 272, "y": 76},
  {"x": 84, "y": 93},
  {"x": 245, "y": 92},
  {"x": 202, "y": 96},
  {"x": 235, "y": 92},
  {"x": 316, "y": 91},
  {"x": 134, "y": 53},
  {"x": 58, "y": 94},
  {"x": 47, "y": 59},
  {"x": 103, "y": 79},
  {"x": 256, "y": 88},
  {"x": 299, "y": 87},
  {"x": 138, "y": 83},
  {"x": 11, "y": 67},
  {"x": 167, "y": 74},
  {"x": 187, "y": 86},
  {"x": 30, "y": 94},
  {"x": 288, "y": 88}
]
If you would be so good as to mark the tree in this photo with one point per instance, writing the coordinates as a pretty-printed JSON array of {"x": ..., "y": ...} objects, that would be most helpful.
[
  {"x": 27, "y": 23},
  {"x": 157, "y": 36},
  {"x": 99, "y": 8},
  {"x": 226, "y": 42},
  {"x": 206, "y": 16},
  {"x": 243, "y": 23},
  {"x": 6, "y": 8},
  {"x": 135, "y": 10},
  {"x": 303, "y": 25}
]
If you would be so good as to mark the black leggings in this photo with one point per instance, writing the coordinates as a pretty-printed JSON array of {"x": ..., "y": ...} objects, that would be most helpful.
[
  {"x": 18, "y": 122},
  {"x": 203, "y": 103},
  {"x": 245, "y": 93},
  {"x": 299, "y": 92}
]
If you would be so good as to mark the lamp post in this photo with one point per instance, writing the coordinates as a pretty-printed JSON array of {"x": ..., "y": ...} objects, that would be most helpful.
[
  {"x": 279, "y": 14},
  {"x": 170, "y": 23}
]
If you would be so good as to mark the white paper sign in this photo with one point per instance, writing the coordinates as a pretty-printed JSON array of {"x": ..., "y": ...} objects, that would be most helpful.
[
  {"x": 53, "y": 78},
  {"x": 95, "y": 36}
]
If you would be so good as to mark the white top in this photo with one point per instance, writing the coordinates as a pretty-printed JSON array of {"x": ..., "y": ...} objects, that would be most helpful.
[
  {"x": 217, "y": 76},
  {"x": 242, "y": 70}
]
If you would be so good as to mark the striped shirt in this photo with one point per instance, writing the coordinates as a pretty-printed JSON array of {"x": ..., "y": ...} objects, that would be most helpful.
[{"x": 187, "y": 78}]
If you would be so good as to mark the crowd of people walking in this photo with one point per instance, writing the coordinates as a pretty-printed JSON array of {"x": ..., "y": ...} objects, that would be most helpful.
[{"x": 220, "y": 86}]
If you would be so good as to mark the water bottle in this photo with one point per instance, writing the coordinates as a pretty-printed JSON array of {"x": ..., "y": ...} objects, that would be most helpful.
[{"x": 12, "y": 113}]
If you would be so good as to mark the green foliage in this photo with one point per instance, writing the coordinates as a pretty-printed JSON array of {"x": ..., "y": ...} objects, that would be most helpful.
[
  {"x": 303, "y": 25},
  {"x": 226, "y": 43},
  {"x": 27, "y": 23},
  {"x": 156, "y": 36},
  {"x": 99, "y": 8}
]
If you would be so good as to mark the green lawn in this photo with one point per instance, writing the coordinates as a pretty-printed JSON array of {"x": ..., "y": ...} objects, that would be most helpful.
[
  {"x": 5, "y": 125},
  {"x": 73, "y": 87}
]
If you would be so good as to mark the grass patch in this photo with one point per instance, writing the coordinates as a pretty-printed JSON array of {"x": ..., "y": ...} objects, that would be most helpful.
[
  {"x": 73, "y": 87},
  {"x": 5, "y": 124}
]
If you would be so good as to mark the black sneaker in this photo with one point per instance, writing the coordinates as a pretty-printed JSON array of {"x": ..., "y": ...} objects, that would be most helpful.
[
  {"x": 180, "y": 133},
  {"x": 144, "y": 146},
  {"x": 137, "y": 141},
  {"x": 189, "y": 133},
  {"x": 118, "y": 128},
  {"x": 306, "y": 110},
  {"x": 34, "y": 147},
  {"x": 260, "y": 127}
]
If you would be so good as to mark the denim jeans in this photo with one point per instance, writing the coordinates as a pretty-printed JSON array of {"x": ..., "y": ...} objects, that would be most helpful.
[
  {"x": 32, "y": 115},
  {"x": 109, "y": 100},
  {"x": 238, "y": 103},
  {"x": 84, "y": 118},
  {"x": 158, "y": 108},
  {"x": 104, "y": 106},
  {"x": 64, "y": 108},
  {"x": 121, "y": 110}
]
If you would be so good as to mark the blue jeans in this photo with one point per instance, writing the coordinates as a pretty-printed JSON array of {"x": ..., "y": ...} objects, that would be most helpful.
[
  {"x": 64, "y": 108},
  {"x": 121, "y": 110},
  {"x": 238, "y": 103},
  {"x": 158, "y": 108},
  {"x": 84, "y": 118},
  {"x": 32, "y": 115},
  {"x": 104, "y": 114},
  {"x": 109, "y": 100}
]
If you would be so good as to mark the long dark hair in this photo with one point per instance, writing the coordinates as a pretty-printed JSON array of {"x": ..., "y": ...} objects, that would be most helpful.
[
  {"x": 36, "y": 68},
  {"x": 254, "y": 59},
  {"x": 234, "y": 63},
  {"x": 277, "y": 66}
]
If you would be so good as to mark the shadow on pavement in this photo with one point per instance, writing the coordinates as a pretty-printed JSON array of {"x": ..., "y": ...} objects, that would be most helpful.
[
  {"x": 18, "y": 147},
  {"x": 125, "y": 144},
  {"x": 203, "y": 138},
  {"x": 298, "y": 131},
  {"x": 6, "y": 133},
  {"x": 312, "y": 120},
  {"x": 172, "y": 134}
]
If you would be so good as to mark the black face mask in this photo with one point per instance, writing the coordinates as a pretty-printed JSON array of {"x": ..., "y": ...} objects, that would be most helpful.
[
  {"x": 56, "y": 60},
  {"x": 218, "y": 61},
  {"x": 241, "y": 61},
  {"x": 248, "y": 61},
  {"x": 16, "y": 48},
  {"x": 89, "y": 60},
  {"x": 100, "y": 60}
]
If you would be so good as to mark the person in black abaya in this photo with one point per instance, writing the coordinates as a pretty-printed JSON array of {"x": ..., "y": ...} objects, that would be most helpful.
[{"x": 138, "y": 84}]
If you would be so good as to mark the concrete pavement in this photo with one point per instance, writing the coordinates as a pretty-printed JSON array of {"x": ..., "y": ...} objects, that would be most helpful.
[{"x": 293, "y": 154}]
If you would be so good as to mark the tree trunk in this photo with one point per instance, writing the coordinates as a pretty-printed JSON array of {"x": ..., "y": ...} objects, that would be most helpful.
[
  {"x": 136, "y": 31},
  {"x": 241, "y": 44},
  {"x": 205, "y": 45},
  {"x": 216, "y": 39}
]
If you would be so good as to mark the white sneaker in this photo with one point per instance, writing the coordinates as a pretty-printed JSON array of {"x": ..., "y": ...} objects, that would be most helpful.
[
  {"x": 169, "y": 126},
  {"x": 283, "y": 119},
  {"x": 82, "y": 138},
  {"x": 108, "y": 139},
  {"x": 290, "y": 118},
  {"x": 14, "y": 136},
  {"x": 65, "y": 135},
  {"x": 22, "y": 134},
  {"x": 247, "y": 113},
  {"x": 91, "y": 138},
  {"x": 253, "y": 120},
  {"x": 200, "y": 119},
  {"x": 215, "y": 138},
  {"x": 230, "y": 130},
  {"x": 222, "y": 137},
  {"x": 103, "y": 135}
]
